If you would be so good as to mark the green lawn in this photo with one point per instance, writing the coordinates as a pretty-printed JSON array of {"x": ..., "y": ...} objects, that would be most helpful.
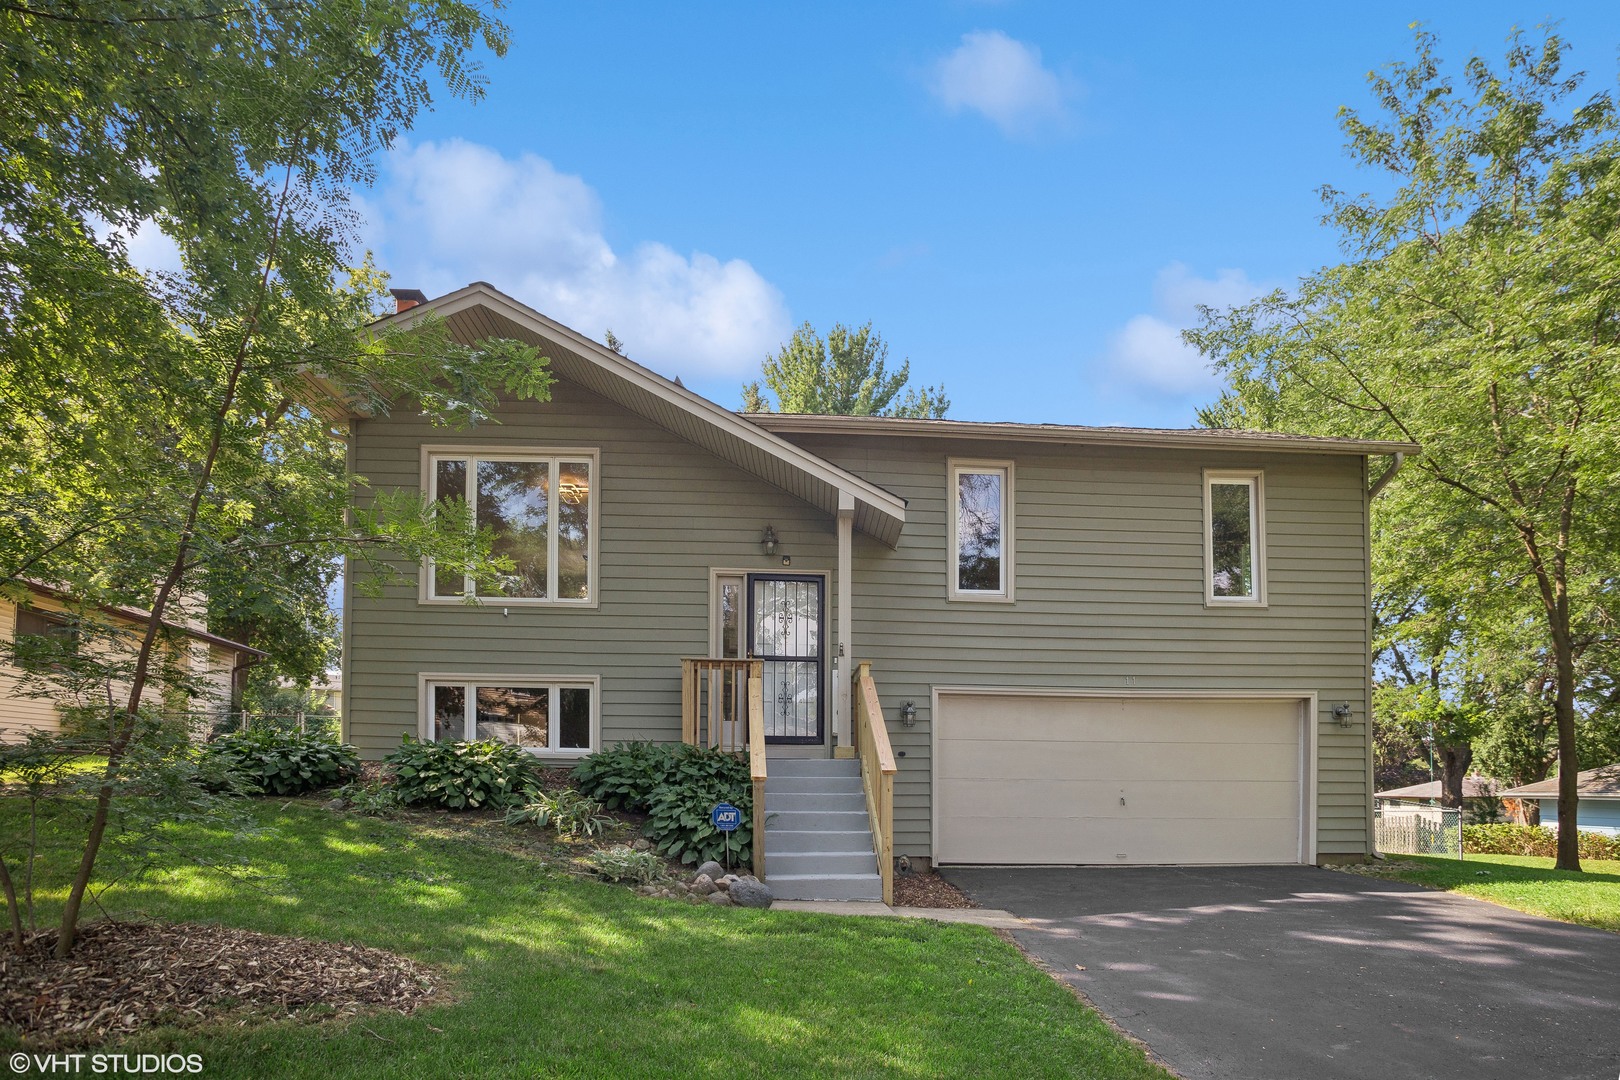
[
  {"x": 553, "y": 976},
  {"x": 1525, "y": 882}
]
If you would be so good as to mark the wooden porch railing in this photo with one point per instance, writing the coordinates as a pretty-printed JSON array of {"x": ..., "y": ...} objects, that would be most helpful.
[
  {"x": 723, "y": 705},
  {"x": 877, "y": 772}
]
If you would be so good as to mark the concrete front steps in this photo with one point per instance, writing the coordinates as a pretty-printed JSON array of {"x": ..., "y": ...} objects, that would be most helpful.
[{"x": 818, "y": 838}]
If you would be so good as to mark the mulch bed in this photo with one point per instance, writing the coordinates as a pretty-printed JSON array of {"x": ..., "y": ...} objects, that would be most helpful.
[
  {"x": 123, "y": 976},
  {"x": 928, "y": 890}
]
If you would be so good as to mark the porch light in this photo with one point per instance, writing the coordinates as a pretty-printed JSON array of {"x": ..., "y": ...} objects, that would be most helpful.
[
  {"x": 908, "y": 713},
  {"x": 1341, "y": 713},
  {"x": 768, "y": 540}
]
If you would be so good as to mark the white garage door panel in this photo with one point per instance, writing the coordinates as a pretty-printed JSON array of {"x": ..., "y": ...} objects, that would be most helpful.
[
  {"x": 1150, "y": 840},
  {"x": 1206, "y": 799},
  {"x": 1041, "y": 779},
  {"x": 979, "y": 759}
]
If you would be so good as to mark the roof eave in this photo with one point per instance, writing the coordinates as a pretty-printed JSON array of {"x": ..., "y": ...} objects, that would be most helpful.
[{"x": 1166, "y": 438}]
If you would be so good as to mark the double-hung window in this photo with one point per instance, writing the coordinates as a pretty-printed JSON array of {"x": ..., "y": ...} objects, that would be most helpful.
[
  {"x": 981, "y": 531},
  {"x": 44, "y": 641},
  {"x": 547, "y": 715},
  {"x": 540, "y": 507},
  {"x": 1234, "y": 538}
]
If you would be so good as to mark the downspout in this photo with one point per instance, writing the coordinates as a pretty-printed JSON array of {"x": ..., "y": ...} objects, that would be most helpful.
[
  {"x": 1367, "y": 742},
  {"x": 1389, "y": 474}
]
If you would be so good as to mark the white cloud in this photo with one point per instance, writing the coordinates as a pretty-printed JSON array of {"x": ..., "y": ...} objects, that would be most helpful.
[
  {"x": 1004, "y": 79},
  {"x": 452, "y": 212},
  {"x": 1148, "y": 351}
]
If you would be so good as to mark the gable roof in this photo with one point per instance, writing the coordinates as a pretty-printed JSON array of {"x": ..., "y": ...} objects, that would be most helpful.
[
  {"x": 1602, "y": 782},
  {"x": 136, "y": 615},
  {"x": 481, "y": 311},
  {"x": 1473, "y": 787},
  {"x": 1075, "y": 434}
]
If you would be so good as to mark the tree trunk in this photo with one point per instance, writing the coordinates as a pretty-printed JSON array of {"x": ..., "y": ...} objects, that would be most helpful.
[
  {"x": 1454, "y": 763},
  {"x": 1569, "y": 839}
]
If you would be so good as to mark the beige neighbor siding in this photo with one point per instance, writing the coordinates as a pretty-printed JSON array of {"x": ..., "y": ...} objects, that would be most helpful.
[
  {"x": 20, "y": 715},
  {"x": 668, "y": 512},
  {"x": 211, "y": 663},
  {"x": 1109, "y": 593}
]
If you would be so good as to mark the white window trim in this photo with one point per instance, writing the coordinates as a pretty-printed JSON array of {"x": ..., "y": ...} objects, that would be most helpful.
[
  {"x": 426, "y": 680},
  {"x": 552, "y": 454},
  {"x": 1256, "y": 479},
  {"x": 954, "y": 468}
]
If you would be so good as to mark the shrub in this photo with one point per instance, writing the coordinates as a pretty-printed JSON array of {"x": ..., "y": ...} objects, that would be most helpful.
[
  {"x": 1534, "y": 840},
  {"x": 277, "y": 762},
  {"x": 461, "y": 775},
  {"x": 678, "y": 810},
  {"x": 622, "y": 863},
  {"x": 570, "y": 812},
  {"x": 625, "y": 777},
  {"x": 676, "y": 786},
  {"x": 373, "y": 799}
]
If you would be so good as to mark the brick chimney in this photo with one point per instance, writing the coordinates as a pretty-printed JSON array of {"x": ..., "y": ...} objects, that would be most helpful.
[{"x": 405, "y": 299}]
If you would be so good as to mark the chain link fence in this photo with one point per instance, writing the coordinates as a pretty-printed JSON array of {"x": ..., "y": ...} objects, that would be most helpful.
[{"x": 1418, "y": 830}]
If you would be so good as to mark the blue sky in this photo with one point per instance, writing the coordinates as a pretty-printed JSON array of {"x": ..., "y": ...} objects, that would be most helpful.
[{"x": 1027, "y": 199}]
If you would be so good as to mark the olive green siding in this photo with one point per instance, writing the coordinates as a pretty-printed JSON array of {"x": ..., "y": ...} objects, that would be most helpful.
[
  {"x": 667, "y": 513},
  {"x": 1108, "y": 589},
  {"x": 1109, "y": 592}
]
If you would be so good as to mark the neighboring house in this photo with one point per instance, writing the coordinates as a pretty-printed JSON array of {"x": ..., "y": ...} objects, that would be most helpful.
[
  {"x": 1598, "y": 799},
  {"x": 1475, "y": 790},
  {"x": 216, "y": 662},
  {"x": 1090, "y": 645}
]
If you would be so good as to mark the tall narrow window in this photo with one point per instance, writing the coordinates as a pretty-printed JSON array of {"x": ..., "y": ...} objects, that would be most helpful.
[
  {"x": 1234, "y": 538},
  {"x": 540, "y": 512},
  {"x": 981, "y": 531}
]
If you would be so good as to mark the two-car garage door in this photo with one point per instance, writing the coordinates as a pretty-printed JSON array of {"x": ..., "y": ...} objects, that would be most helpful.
[{"x": 1064, "y": 780}]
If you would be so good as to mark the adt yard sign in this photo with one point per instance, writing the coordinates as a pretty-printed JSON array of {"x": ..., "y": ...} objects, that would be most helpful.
[{"x": 726, "y": 817}]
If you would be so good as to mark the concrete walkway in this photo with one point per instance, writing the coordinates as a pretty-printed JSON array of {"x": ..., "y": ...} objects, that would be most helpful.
[
  {"x": 1295, "y": 973},
  {"x": 1001, "y": 920}
]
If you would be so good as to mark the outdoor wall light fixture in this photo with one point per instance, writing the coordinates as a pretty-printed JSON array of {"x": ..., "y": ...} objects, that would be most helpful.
[
  {"x": 1341, "y": 713},
  {"x": 908, "y": 713},
  {"x": 768, "y": 540}
]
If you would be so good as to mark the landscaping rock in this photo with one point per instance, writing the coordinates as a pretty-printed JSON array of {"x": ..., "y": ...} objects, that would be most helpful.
[
  {"x": 642, "y": 845},
  {"x": 720, "y": 899},
  {"x": 712, "y": 869},
  {"x": 336, "y": 804},
  {"x": 725, "y": 882},
  {"x": 703, "y": 886},
  {"x": 750, "y": 892}
]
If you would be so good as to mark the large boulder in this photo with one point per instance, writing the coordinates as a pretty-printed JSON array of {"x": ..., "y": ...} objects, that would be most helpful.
[
  {"x": 712, "y": 869},
  {"x": 750, "y": 892}
]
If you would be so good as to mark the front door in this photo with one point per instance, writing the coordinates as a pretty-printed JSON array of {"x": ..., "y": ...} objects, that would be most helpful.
[{"x": 785, "y": 630}]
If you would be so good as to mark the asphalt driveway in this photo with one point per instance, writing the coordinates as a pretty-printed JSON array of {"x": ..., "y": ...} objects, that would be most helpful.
[{"x": 1295, "y": 973}]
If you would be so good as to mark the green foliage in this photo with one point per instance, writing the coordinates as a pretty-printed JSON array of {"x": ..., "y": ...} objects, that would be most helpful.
[
  {"x": 156, "y": 444},
  {"x": 678, "y": 809},
  {"x": 677, "y": 786},
  {"x": 844, "y": 375},
  {"x": 624, "y": 863},
  {"x": 1504, "y": 839},
  {"x": 571, "y": 813},
  {"x": 462, "y": 775},
  {"x": 274, "y": 762},
  {"x": 374, "y": 798},
  {"x": 624, "y": 777}
]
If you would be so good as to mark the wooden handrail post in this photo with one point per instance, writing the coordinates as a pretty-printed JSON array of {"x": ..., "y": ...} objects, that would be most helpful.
[
  {"x": 877, "y": 772},
  {"x": 689, "y": 702},
  {"x": 756, "y": 758}
]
